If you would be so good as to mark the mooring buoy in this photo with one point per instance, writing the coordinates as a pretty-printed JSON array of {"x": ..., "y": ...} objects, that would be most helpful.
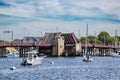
[{"x": 13, "y": 68}]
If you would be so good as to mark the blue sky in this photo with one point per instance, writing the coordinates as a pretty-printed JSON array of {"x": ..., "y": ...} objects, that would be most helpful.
[{"x": 40, "y": 16}]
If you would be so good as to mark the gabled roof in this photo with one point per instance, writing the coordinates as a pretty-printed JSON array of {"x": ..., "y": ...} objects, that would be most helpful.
[{"x": 69, "y": 38}]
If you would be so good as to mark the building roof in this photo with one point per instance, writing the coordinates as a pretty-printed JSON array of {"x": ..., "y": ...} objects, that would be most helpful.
[{"x": 69, "y": 38}]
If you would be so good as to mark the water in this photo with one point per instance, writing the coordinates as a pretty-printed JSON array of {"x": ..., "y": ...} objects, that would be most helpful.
[{"x": 101, "y": 68}]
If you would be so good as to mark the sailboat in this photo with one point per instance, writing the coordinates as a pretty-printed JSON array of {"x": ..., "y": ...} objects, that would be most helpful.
[{"x": 86, "y": 55}]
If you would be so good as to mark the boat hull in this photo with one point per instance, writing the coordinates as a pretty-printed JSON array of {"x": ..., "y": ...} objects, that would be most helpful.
[
  {"x": 115, "y": 55},
  {"x": 87, "y": 58},
  {"x": 36, "y": 61}
]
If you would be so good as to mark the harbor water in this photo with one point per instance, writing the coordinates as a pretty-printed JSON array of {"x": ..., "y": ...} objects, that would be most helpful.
[{"x": 101, "y": 68}]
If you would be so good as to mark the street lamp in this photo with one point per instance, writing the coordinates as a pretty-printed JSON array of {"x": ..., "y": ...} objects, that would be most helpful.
[{"x": 9, "y": 32}]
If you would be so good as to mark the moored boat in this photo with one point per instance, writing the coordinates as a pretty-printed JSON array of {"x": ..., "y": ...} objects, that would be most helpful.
[
  {"x": 87, "y": 58},
  {"x": 32, "y": 58},
  {"x": 86, "y": 55},
  {"x": 116, "y": 54}
]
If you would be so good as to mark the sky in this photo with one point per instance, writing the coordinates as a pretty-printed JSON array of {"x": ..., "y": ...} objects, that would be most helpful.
[{"x": 35, "y": 17}]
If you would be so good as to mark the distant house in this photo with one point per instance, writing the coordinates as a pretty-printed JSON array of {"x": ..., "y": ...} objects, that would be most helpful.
[
  {"x": 32, "y": 39},
  {"x": 18, "y": 41}
]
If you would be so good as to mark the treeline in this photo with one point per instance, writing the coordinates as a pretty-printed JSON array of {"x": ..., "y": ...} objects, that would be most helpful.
[
  {"x": 102, "y": 38},
  {"x": 2, "y": 41}
]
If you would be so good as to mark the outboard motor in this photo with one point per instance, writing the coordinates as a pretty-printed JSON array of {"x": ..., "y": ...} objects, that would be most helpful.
[{"x": 24, "y": 62}]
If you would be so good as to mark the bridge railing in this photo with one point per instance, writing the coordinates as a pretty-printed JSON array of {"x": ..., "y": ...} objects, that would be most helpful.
[
  {"x": 7, "y": 44},
  {"x": 99, "y": 46},
  {"x": 23, "y": 44}
]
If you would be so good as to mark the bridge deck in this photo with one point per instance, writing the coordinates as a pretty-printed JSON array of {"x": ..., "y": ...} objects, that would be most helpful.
[
  {"x": 24, "y": 45},
  {"x": 49, "y": 45}
]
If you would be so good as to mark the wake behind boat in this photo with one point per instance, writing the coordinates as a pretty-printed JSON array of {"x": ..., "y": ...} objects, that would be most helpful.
[{"x": 32, "y": 58}]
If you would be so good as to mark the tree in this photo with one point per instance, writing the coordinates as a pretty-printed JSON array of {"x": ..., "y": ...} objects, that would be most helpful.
[
  {"x": 111, "y": 41},
  {"x": 117, "y": 40},
  {"x": 83, "y": 39},
  {"x": 92, "y": 39},
  {"x": 2, "y": 41},
  {"x": 104, "y": 37}
]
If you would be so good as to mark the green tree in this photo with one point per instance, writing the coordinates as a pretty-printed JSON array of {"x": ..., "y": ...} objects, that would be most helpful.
[
  {"x": 83, "y": 39},
  {"x": 117, "y": 39},
  {"x": 104, "y": 37},
  {"x": 92, "y": 39},
  {"x": 2, "y": 41}
]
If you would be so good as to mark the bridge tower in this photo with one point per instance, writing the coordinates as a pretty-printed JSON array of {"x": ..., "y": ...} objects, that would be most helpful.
[{"x": 58, "y": 45}]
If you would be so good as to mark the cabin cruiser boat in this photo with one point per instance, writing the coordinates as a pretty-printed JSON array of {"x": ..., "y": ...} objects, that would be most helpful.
[{"x": 32, "y": 58}]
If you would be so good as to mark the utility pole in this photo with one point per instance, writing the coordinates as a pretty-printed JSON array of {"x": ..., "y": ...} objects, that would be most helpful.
[
  {"x": 57, "y": 29},
  {"x": 9, "y": 32},
  {"x": 115, "y": 37},
  {"x": 79, "y": 36},
  {"x": 28, "y": 34},
  {"x": 95, "y": 37},
  {"x": 104, "y": 39}
]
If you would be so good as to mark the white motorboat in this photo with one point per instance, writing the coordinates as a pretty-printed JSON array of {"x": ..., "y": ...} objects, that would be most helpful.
[
  {"x": 32, "y": 58},
  {"x": 116, "y": 54}
]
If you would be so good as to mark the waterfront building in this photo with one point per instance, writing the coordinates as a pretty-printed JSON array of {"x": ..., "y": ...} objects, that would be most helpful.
[{"x": 62, "y": 44}]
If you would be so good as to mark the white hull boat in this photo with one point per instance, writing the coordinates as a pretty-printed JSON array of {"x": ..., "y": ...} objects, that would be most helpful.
[
  {"x": 87, "y": 58},
  {"x": 32, "y": 59}
]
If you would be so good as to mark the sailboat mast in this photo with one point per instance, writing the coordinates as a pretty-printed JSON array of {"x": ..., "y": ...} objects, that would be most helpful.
[{"x": 86, "y": 39}]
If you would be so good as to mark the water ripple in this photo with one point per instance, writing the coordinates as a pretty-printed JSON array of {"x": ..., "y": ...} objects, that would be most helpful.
[{"x": 102, "y": 68}]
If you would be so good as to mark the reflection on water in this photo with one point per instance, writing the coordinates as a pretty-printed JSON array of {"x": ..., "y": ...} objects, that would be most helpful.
[{"x": 101, "y": 68}]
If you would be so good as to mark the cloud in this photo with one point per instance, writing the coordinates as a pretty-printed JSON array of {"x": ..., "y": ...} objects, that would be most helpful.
[
  {"x": 68, "y": 15},
  {"x": 80, "y": 8}
]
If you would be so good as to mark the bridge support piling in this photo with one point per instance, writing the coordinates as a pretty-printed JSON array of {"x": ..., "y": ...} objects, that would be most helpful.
[
  {"x": 3, "y": 52},
  {"x": 23, "y": 50}
]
